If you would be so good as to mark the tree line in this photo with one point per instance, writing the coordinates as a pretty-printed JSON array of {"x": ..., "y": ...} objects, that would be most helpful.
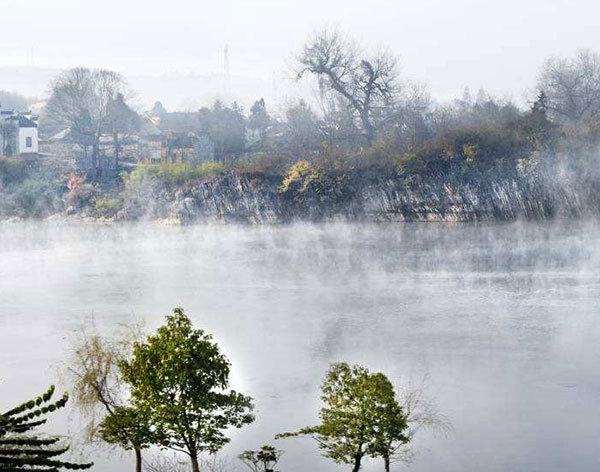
[
  {"x": 171, "y": 389},
  {"x": 364, "y": 111}
]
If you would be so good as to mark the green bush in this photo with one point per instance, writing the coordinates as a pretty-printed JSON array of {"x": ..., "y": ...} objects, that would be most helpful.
[
  {"x": 107, "y": 206},
  {"x": 266, "y": 163},
  {"x": 37, "y": 198},
  {"x": 12, "y": 170},
  {"x": 172, "y": 174},
  {"x": 79, "y": 193},
  {"x": 305, "y": 183}
]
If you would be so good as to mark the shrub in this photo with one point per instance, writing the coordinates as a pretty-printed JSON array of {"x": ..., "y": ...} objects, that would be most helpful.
[
  {"x": 79, "y": 193},
  {"x": 36, "y": 198},
  {"x": 107, "y": 206},
  {"x": 172, "y": 174},
  {"x": 13, "y": 170},
  {"x": 263, "y": 163},
  {"x": 297, "y": 177},
  {"x": 305, "y": 183}
]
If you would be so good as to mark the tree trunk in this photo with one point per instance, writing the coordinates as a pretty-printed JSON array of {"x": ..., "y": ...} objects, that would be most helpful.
[
  {"x": 116, "y": 145},
  {"x": 194, "y": 460},
  {"x": 357, "y": 461},
  {"x": 386, "y": 462},
  {"x": 369, "y": 129},
  {"x": 95, "y": 152},
  {"x": 138, "y": 459}
]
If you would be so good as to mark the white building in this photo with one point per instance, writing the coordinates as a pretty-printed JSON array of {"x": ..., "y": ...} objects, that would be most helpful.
[{"x": 18, "y": 133}]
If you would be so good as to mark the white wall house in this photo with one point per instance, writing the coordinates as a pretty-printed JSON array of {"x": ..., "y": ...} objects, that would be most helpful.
[
  {"x": 18, "y": 133},
  {"x": 28, "y": 137}
]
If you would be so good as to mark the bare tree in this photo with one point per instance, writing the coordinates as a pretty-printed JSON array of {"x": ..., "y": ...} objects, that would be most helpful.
[
  {"x": 572, "y": 87},
  {"x": 97, "y": 385},
  {"x": 365, "y": 83},
  {"x": 422, "y": 414},
  {"x": 82, "y": 100},
  {"x": 405, "y": 124}
]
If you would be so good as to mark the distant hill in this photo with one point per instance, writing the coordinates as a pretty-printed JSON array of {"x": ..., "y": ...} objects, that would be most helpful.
[{"x": 177, "y": 91}]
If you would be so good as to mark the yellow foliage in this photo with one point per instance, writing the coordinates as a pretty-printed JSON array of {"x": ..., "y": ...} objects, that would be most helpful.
[
  {"x": 471, "y": 152},
  {"x": 297, "y": 173}
]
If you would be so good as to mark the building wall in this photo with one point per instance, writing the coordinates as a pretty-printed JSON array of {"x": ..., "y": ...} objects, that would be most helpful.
[{"x": 25, "y": 133}]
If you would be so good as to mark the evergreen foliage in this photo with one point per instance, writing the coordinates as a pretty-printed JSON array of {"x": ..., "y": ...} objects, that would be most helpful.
[{"x": 20, "y": 450}]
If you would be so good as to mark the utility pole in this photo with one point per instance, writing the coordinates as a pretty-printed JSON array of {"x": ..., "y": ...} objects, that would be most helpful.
[{"x": 226, "y": 76}]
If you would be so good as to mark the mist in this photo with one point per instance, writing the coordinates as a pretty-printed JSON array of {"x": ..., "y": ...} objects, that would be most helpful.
[
  {"x": 299, "y": 236},
  {"x": 450, "y": 45},
  {"x": 500, "y": 320}
]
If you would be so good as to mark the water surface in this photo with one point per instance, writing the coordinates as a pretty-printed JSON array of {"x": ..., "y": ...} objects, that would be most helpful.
[{"x": 502, "y": 319}]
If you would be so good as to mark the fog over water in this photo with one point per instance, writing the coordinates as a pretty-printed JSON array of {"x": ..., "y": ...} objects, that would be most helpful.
[{"x": 503, "y": 319}]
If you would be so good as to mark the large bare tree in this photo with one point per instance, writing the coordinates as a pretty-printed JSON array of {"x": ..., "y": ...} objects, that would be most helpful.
[
  {"x": 365, "y": 82},
  {"x": 83, "y": 100},
  {"x": 572, "y": 87}
]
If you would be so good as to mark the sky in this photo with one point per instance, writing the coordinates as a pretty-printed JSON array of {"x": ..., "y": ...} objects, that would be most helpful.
[{"x": 498, "y": 46}]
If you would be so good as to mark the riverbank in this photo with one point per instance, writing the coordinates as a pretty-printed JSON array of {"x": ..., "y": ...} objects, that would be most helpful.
[{"x": 257, "y": 199}]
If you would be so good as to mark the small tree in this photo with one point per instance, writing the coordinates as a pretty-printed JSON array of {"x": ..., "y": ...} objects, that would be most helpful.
[
  {"x": 421, "y": 414},
  {"x": 360, "y": 416},
  {"x": 102, "y": 395},
  {"x": 259, "y": 119},
  {"x": 180, "y": 379},
  {"x": 263, "y": 460},
  {"x": 20, "y": 450},
  {"x": 128, "y": 428},
  {"x": 391, "y": 426}
]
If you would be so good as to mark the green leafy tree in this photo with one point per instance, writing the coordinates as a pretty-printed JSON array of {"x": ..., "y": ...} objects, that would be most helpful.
[
  {"x": 263, "y": 460},
  {"x": 390, "y": 432},
  {"x": 360, "y": 418},
  {"x": 20, "y": 450},
  {"x": 180, "y": 379},
  {"x": 128, "y": 428}
]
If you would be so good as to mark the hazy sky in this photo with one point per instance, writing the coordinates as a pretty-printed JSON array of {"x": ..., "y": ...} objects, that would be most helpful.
[{"x": 448, "y": 44}]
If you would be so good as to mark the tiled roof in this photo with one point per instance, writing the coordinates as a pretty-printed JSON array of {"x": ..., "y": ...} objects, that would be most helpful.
[{"x": 26, "y": 122}]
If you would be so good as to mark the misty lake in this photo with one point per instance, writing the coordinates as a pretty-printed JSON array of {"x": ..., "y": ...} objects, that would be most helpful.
[{"x": 501, "y": 320}]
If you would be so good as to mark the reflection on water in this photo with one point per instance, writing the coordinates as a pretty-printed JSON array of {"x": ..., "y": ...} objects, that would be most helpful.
[{"x": 503, "y": 319}]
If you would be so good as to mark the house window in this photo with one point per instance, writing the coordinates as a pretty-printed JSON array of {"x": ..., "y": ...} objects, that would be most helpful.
[{"x": 28, "y": 142}]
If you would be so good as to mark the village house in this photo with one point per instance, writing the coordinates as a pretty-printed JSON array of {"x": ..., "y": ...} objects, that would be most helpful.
[
  {"x": 18, "y": 133},
  {"x": 174, "y": 137},
  {"x": 161, "y": 137}
]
